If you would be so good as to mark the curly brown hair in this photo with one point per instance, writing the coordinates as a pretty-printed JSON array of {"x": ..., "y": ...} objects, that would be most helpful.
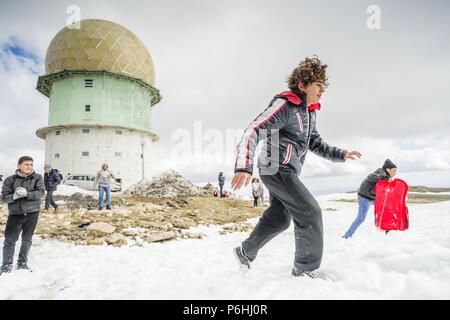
[{"x": 308, "y": 71}]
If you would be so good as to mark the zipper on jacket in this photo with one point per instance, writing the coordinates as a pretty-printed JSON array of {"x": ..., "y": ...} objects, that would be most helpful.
[
  {"x": 307, "y": 136},
  {"x": 288, "y": 154},
  {"x": 300, "y": 121}
]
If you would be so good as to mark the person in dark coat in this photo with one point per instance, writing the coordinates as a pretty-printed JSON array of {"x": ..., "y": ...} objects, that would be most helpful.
[
  {"x": 51, "y": 180},
  {"x": 22, "y": 192},
  {"x": 366, "y": 193},
  {"x": 221, "y": 183}
]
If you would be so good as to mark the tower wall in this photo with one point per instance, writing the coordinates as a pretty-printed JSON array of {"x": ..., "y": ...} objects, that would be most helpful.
[
  {"x": 119, "y": 147},
  {"x": 111, "y": 101}
]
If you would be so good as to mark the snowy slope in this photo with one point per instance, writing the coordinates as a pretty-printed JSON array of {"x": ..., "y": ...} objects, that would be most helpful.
[{"x": 414, "y": 264}]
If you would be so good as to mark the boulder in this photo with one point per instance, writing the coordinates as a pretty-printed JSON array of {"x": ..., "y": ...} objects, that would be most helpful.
[
  {"x": 95, "y": 242},
  {"x": 208, "y": 190},
  {"x": 159, "y": 236},
  {"x": 169, "y": 184},
  {"x": 100, "y": 228},
  {"x": 184, "y": 223},
  {"x": 117, "y": 240}
]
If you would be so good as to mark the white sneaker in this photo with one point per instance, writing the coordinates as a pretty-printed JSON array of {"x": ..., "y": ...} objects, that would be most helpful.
[{"x": 314, "y": 274}]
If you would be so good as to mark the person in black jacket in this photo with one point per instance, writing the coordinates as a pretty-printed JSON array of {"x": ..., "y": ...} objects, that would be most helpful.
[
  {"x": 51, "y": 180},
  {"x": 366, "y": 193},
  {"x": 221, "y": 183},
  {"x": 22, "y": 192},
  {"x": 288, "y": 128}
]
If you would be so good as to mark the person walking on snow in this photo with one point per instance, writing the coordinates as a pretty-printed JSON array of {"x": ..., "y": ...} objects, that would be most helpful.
[
  {"x": 22, "y": 192},
  {"x": 255, "y": 191},
  {"x": 366, "y": 194},
  {"x": 51, "y": 180},
  {"x": 288, "y": 128},
  {"x": 221, "y": 183},
  {"x": 104, "y": 180}
]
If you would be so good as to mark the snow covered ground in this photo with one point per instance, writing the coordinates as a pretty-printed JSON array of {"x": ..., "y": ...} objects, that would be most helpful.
[{"x": 414, "y": 264}]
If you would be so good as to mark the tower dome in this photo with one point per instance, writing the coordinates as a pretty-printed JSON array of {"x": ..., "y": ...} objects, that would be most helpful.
[
  {"x": 100, "y": 45},
  {"x": 99, "y": 80}
]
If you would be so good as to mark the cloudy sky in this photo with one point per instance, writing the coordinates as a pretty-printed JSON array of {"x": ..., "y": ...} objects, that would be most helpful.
[{"x": 218, "y": 63}]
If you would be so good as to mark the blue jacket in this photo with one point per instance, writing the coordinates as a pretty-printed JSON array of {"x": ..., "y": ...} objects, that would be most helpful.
[{"x": 51, "y": 180}]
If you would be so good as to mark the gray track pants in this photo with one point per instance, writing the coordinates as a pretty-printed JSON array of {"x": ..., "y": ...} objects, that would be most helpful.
[{"x": 289, "y": 199}]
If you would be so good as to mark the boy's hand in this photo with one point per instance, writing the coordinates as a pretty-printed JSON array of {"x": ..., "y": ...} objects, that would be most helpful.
[
  {"x": 19, "y": 193},
  {"x": 352, "y": 155},
  {"x": 240, "y": 179}
]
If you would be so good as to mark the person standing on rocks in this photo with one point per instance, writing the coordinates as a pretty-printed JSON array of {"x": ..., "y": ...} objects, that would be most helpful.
[
  {"x": 256, "y": 191},
  {"x": 221, "y": 183},
  {"x": 51, "y": 180},
  {"x": 103, "y": 181},
  {"x": 366, "y": 194},
  {"x": 260, "y": 193},
  {"x": 22, "y": 192},
  {"x": 288, "y": 128}
]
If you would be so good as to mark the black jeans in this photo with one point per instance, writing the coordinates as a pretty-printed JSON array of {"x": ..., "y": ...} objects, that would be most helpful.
[
  {"x": 289, "y": 199},
  {"x": 49, "y": 200},
  {"x": 255, "y": 201},
  {"x": 16, "y": 224}
]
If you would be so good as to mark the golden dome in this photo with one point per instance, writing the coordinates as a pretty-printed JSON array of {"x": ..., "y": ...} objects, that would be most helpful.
[{"x": 100, "y": 45}]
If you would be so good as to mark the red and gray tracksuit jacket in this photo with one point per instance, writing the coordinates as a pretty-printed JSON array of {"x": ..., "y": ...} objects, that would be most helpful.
[{"x": 288, "y": 128}]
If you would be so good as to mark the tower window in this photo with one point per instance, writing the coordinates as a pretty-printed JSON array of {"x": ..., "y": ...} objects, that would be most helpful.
[
  {"x": 58, "y": 132},
  {"x": 57, "y": 155},
  {"x": 85, "y": 154},
  {"x": 87, "y": 108},
  {"x": 88, "y": 83},
  {"x": 141, "y": 115},
  {"x": 85, "y": 130},
  {"x": 119, "y": 132},
  {"x": 118, "y": 154}
]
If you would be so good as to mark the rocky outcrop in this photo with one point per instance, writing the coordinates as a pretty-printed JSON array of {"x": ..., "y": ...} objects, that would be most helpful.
[{"x": 169, "y": 184}]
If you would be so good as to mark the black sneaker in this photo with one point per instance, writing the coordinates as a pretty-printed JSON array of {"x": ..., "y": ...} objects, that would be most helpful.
[
  {"x": 6, "y": 268},
  {"x": 101, "y": 208},
  {"x": 108, "y": 207},
  {"x": 243, "y": 261}
]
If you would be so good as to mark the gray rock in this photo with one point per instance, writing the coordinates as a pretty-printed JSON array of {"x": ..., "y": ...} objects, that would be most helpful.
[
  {"x": 100, "y": 228},
  {"x": 159, "y": 236},
  {"x": 169, "y": 184}
]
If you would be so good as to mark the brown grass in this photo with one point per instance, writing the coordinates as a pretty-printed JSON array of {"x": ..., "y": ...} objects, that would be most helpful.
[{"x": 414, "y": 198}]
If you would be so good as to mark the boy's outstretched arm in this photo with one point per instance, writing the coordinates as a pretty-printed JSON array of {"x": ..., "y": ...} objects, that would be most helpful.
[{"x": 324, "y": 150}]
